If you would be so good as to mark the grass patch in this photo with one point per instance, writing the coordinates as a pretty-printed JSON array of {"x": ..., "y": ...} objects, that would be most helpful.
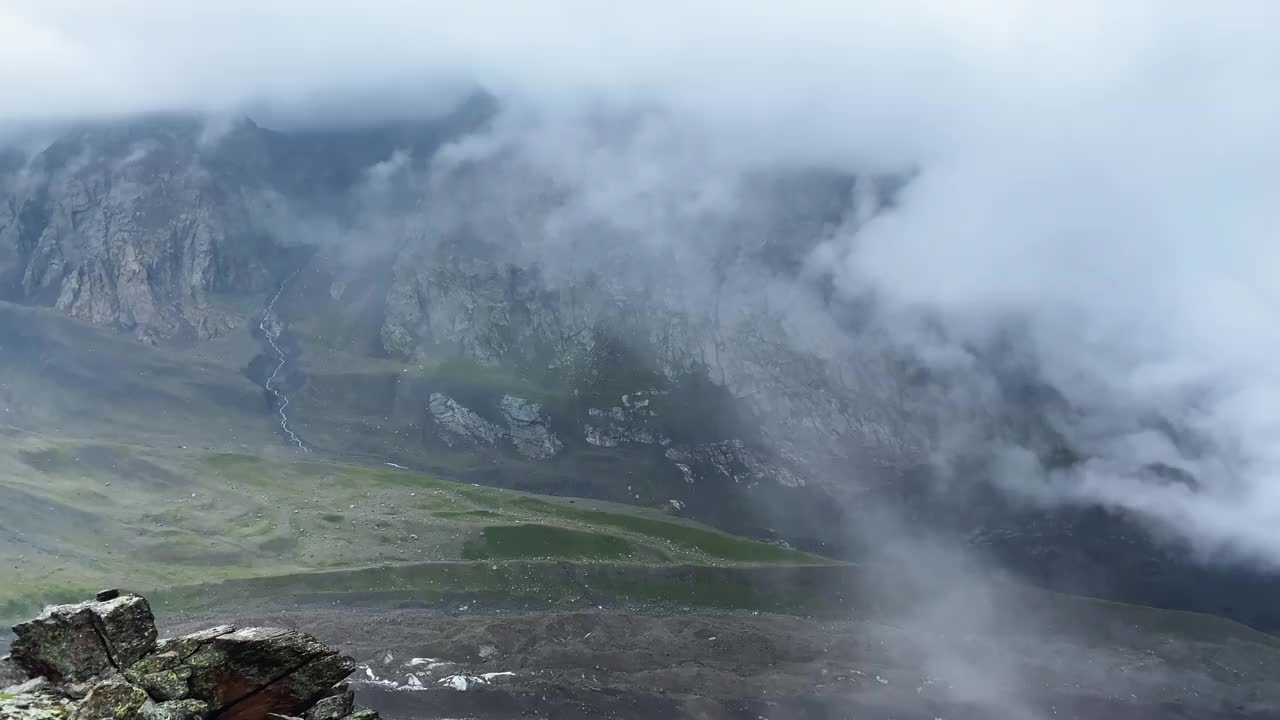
[
  {"x": 279, "y": 545},
  {"x": 704, "y": 540},
  {"x": 230, "y": 516},
  {"x": 469, "y": 373},
  {"x": 467, "y": 515},
  {"x": 49, "y": 460},
  {"x": 518, "y": 542},
  {"x": 232, "y": 461},
  {"x": 541, "y": 584},
  {"x": 356, "y": 477},
  {"x": 424, "y": 582}
]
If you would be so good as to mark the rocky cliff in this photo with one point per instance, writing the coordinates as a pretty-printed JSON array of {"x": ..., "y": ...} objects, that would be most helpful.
[
  {"x": 129, "y": 227},
  {"x": 506, "y": 270},
  {"x": 101, "y": 660},
  {"x": 161, "y": 230},
  {"x": 156, "y": 225}
]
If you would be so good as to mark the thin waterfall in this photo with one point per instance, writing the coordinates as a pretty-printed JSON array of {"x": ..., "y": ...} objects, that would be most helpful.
[{"x": 271, "y": 331}]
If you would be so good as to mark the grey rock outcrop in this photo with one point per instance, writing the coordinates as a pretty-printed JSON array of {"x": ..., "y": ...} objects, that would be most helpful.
[
  {"x": 35, "y": 701},
  {"x": 175, "y": 710},
  {"x": 441, "y": 309},
  {"x": 458, "y": 425},
  {"x": 261, "y": 671},
  {"x": 528, "y": 429},
  {"x": 230, "y": 674},
  {"x": 730, "y": 460},
  {"x": 112, "y": 700},
  {"x": 334, "y": 707},
  {"x": 128, "y": 227},
  {"x": 629, "y": 422},
  {"x": 10, "y": 673},
  {"x": 73, "y": 643}
]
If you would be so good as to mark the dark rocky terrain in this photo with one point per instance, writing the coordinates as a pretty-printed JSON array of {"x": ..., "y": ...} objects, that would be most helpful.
[
  {"x": 477, "y": 663},
  {"x": 602, "y": 663}
]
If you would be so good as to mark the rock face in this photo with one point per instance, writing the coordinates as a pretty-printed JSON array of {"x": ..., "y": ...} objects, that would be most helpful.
[
  {"x": 528, "y": 429},
  {"x": 112, "y": 700},
  {"x": 10, "y": 673},
  {"x": 729, "y": 460},
  {"x": 458, "y": 425},
  {"x": 100, "y": 660},
  {"x": 128, "y": 227},
  {"x": 72, "y": 643},
  {"x": 628, "y": 422},
  {"x": 254, "y": 672}
]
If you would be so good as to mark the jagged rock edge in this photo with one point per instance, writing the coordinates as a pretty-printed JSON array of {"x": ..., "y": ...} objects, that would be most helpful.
[{"x": 36, "y": 695}]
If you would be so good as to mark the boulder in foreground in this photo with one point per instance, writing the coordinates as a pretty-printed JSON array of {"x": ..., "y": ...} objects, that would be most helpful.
[
  {"x": 101, "y": 660},
  {"x": 72, "y": 643}
]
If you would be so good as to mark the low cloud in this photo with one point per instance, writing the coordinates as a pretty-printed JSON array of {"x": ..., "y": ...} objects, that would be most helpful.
[{"x": 1096, "y": 180}]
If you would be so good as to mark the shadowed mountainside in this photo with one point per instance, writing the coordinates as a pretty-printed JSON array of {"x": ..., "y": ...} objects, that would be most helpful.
[{"x": 458, "y": 318}]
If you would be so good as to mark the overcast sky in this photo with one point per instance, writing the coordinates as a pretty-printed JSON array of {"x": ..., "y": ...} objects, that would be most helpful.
[{"x": 1103, "y": 170}]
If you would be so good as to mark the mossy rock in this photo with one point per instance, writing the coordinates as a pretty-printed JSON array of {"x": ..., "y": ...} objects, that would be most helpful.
[
  {"x": 175, "y": 710},
  {"x": 173, "y": 684},
  {"x": 112, "y": 700}
]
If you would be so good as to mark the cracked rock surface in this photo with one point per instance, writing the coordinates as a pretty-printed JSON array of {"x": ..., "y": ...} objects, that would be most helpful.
[
  {"x": 101, "y": 660},
  {"x": 528, "y": 429},
  {"x": 72, "y": 643}
]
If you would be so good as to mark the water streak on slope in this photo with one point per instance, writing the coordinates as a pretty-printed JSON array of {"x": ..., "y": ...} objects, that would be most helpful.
[{"x": 271, "y": 331}]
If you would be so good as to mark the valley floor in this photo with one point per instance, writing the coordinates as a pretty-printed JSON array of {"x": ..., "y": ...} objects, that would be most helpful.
[{"x": 464, "y": 663}]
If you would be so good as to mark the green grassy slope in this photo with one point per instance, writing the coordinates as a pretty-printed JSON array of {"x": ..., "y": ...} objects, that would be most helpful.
[
  {"x": 159, "y": 470},
  {"x": 80, "y": 515},
  {"x": 544, "y": 584},
  {"x": 213, "y": 531},
  {"x": 154, "y": 468},
  {"x": 63, "y": 377}
]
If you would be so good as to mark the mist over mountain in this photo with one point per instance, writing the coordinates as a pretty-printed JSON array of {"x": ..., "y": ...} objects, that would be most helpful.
[{"x": 984, "y": 289}]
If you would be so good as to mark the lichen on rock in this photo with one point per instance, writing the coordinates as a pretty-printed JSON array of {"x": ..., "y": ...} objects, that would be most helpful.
[
  {"x": 175, "y": 710},
  {"x": 73, "y": 643},
  {"x": 100, "y": 660},
  {"x": 112, "y": 700}
]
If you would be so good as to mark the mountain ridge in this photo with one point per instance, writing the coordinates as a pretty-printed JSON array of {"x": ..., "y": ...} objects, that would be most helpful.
[{"x": 473, "y": 281}]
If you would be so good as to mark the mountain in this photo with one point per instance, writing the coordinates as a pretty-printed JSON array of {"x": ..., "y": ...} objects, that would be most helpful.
[{"x": 409, "y": 294}]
